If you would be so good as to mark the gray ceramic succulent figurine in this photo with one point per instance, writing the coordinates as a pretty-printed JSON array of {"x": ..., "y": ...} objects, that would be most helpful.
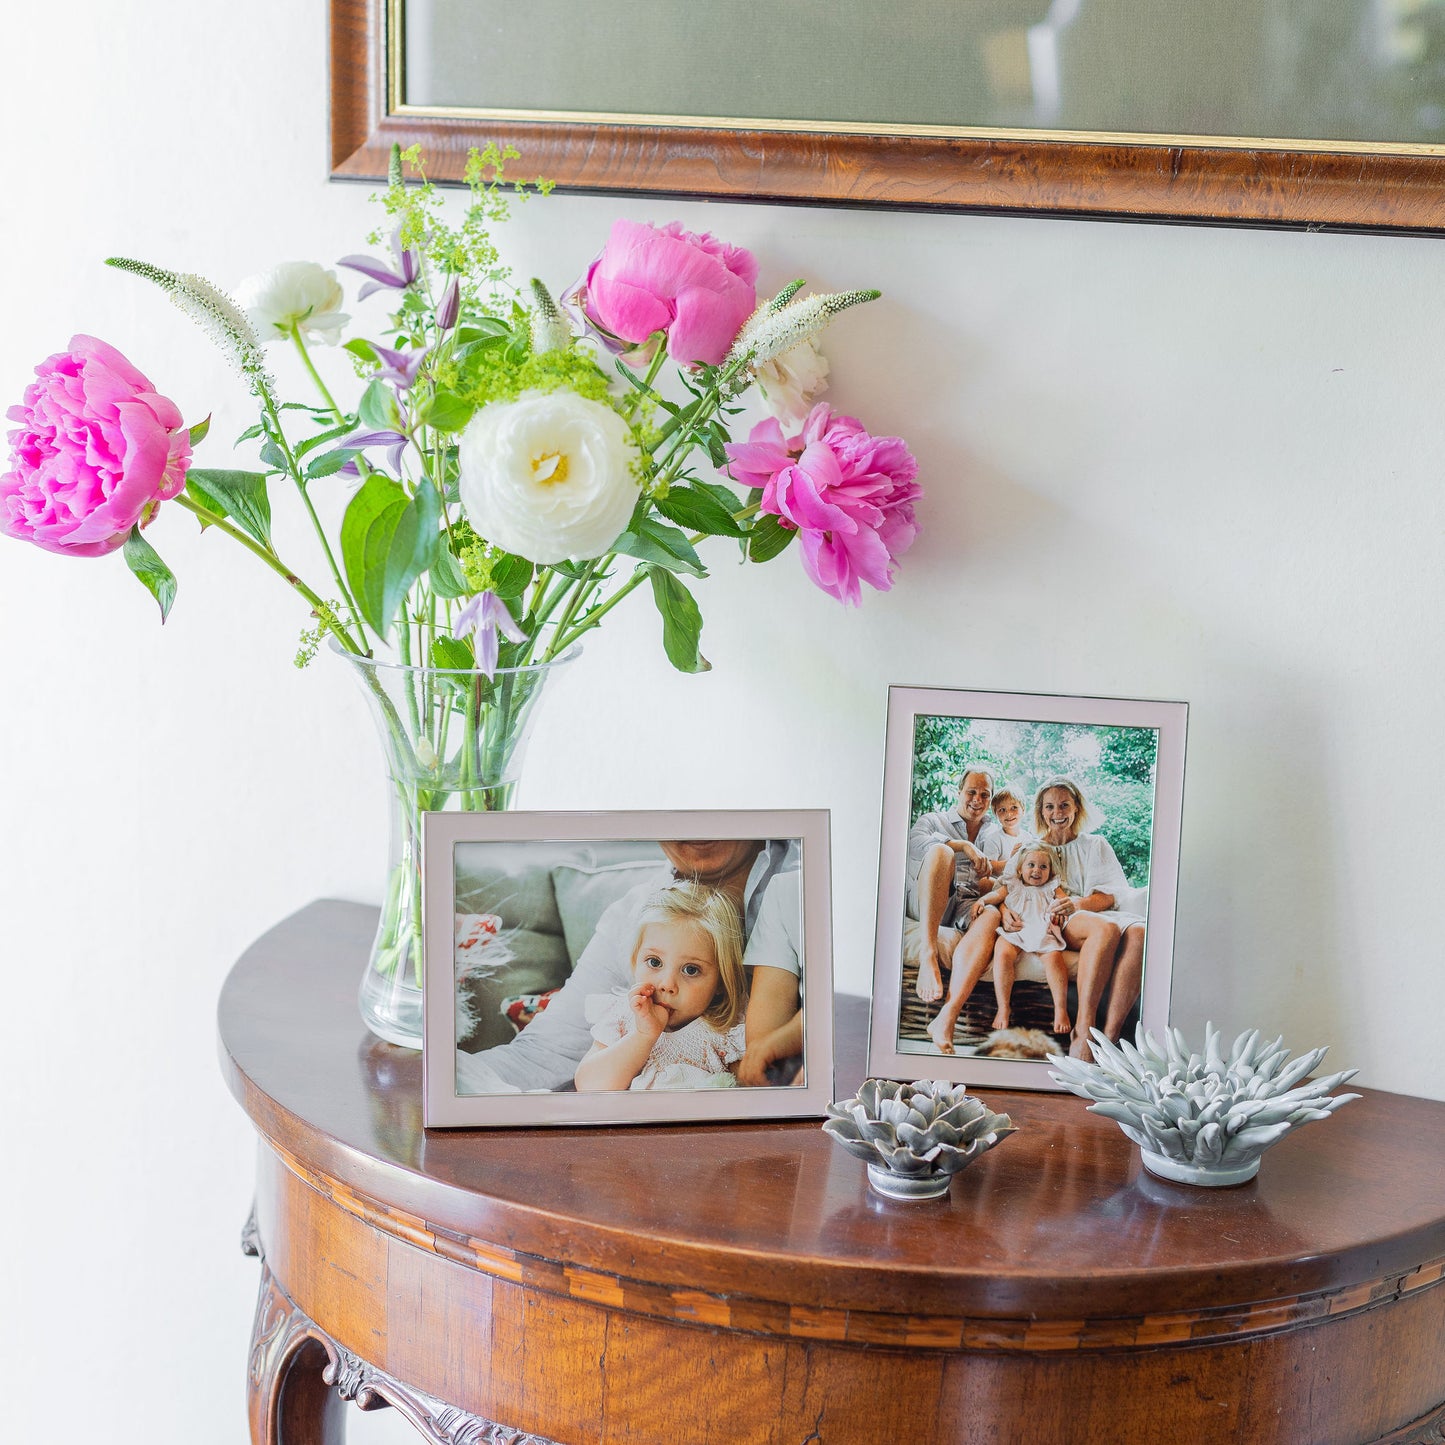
[
  {"x": 915, "y": 1137},
  {"x": 1202, "y": 1118}
]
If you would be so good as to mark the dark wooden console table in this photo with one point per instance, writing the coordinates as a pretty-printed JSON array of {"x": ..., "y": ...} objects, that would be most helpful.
[{"x": 739, "y": 1283}]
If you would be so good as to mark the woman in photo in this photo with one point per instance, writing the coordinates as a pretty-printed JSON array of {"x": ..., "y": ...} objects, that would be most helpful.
[{"x": 1110, "y": 941}]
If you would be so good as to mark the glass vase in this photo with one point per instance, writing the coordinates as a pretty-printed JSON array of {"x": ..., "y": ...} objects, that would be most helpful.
[{"x": 451, "y": 740}]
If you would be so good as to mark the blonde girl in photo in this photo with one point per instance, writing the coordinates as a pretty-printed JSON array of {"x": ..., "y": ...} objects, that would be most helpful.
[
  {"x": 680, "y": 1025},
  {"x": 1029, "y": 895}
]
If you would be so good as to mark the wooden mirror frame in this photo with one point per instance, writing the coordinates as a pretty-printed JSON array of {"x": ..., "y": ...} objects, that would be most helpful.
[{"x": 1392, "y": 188}]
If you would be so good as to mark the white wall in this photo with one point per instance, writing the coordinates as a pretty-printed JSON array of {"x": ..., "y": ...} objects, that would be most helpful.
[{"x": 1211, "y": 457}]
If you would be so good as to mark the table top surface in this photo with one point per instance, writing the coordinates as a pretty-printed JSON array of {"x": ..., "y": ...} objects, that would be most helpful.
[{"x": 1058, "y": 1223}]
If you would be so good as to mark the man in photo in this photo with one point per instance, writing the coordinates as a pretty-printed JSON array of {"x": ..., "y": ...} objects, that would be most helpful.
[{"x": 953, "y": 857}]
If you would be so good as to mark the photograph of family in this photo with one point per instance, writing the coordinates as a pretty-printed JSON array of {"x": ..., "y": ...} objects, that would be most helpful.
[
  {"x": 1026, "y": 889},
  {"x": 609, "y": 964}
]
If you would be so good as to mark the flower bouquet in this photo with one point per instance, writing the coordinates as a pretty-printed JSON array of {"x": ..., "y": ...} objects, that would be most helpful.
[{"x": 517, "y": 469}]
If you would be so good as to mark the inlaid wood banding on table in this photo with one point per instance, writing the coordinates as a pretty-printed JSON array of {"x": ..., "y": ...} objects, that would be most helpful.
[{"x": 771, "y": 1317}]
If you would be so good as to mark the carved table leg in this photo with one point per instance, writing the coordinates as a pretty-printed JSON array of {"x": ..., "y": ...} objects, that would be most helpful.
[
  {"x": 299, "y": 1379},
  {"x": 1428, "y": 1430},
  {"x": 288, "y": 1395}
]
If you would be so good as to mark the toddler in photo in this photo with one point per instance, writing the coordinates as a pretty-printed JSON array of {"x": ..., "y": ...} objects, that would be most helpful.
[
  {"x": 680, "y": 1025},
  {"x": 1029, "y": 891},
  {"x": 1008, "y": 808}
]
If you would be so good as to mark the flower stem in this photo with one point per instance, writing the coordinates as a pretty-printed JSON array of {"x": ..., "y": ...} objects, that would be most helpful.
[
  {"x": 294, "y": 468},
  {"x": 581, "y": 589},
  {"x": 269, "y": 557},
  {"x": 659, "y": 356},
  {"x": 565, "y": 634},
  {"x": 560, "y": 643},
  {"x": 310, "y": 366}
]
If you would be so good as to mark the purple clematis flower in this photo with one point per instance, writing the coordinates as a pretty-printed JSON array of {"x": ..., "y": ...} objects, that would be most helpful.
[
  {"x": 400, "y": 367},
  {"x": 482, "y": 617},
  {"x": 449, "y": 308},
  {"x": 384, "y": 277},
  {"x": 360, "y": 441},
  {"x": 573, "y": 302}
]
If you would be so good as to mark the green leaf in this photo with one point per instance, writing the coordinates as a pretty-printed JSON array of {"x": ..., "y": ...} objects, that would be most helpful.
[
  {"x": 715, "y": 439},
  {"x": 387, "y": 539},
  {"x": 485, "y": 328},
  {"x": 378, "y": 408},
  {"x": 722, "y": 494},
  {"x": 452, "y": 652},
  {"x": 250, "y": 434},
  {"x": 241, "y": 496},
  {"x": 329, "y": 463},
  {"x": 145, "y": 562},
  {"x": 480, "y": 346},
  {"x": 511, "y": 575},
  {"x": 699, "y": 511},
  {"x": 446, "y": 576},
  {"x": 359, "y": 346},
  {"x": 675, "y": 544},
  {"x": 329, "y": 435},
  {"x": 681, "y": 621},
  {"x": 198, "y": 432},
  {"x": 630, "y": 376},
  {"x": 427, "y": 505},
  {"x": 447, "y": 412},
  {"x": 768, "y": 538},
  {"x": 646, "y": 550},
  {"x": 273, "y": 456}
]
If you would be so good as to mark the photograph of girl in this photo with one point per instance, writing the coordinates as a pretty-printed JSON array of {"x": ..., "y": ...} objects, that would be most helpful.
[
  {"x": 680, "y": 1025},
  {"x": 612, "y": 965},
  {"x": 1028, "y": 868}
]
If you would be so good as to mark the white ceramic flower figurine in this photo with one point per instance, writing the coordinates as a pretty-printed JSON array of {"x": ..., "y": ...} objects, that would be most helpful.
[
  {"x": 551, "y": 476},
  {"x": 296, "y": 295},
  {"x": 1202, "y": 1118},
  {"x": 915, "y": 1137}
]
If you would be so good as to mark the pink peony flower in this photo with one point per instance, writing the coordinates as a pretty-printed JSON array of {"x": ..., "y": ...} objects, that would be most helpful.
[
  {"x": 697, "y": 289},
  {"x": 848, "y": 494},
  {"x": 97, "y": 451}
]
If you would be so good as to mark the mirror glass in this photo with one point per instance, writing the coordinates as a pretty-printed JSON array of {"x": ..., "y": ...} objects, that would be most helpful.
[{"x": 1339, "y": 72}]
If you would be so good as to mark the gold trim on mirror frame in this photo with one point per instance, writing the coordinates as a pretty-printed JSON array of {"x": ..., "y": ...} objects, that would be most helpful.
[{"x": 940, "y": 132}]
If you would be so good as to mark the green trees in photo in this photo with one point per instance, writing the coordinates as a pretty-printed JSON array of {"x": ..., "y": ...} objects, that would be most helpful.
[{"x": 1113, "y": 765}]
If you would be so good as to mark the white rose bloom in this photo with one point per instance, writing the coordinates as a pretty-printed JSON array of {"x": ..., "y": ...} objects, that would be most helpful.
[
  {"x": 295, "y": 293},
  {"x": 548, "y": 476},
  {"x": 790, "y": 382}
]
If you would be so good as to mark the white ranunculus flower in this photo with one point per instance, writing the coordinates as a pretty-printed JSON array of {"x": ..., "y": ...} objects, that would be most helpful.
[
  {"x": 789, "y": 382},
  {"x": 295, "y": 293},
  {"x": 548, "y": 476}
]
